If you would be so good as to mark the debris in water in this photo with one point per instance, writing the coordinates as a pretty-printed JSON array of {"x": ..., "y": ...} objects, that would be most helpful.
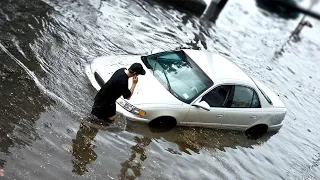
[
  {"x": 269, "y": 68},
  {"x": 67, "y": 147},
  {"x": 173, "y": 151},
  {"x": 130, "y": 173}
]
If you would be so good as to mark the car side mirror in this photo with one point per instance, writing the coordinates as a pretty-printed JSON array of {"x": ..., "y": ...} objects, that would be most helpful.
[{"x": 203, "y": 105}]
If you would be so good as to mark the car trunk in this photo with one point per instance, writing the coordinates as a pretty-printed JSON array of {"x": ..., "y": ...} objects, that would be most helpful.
[{"x": 270, "y": 95}]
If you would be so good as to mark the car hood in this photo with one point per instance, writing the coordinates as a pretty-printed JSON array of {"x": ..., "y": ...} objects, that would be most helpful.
[{"x": 148, "y": 90}]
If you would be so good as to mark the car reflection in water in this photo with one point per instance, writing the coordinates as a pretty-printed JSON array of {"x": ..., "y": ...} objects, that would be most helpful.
[
  {"x": 195, "y": 139},
  {"x": 84, "y": 154},
  {"x": 189, "y": 140}
]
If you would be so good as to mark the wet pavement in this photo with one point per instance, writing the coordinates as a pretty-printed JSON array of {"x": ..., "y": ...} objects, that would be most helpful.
[{"x": 46, "y": 97}]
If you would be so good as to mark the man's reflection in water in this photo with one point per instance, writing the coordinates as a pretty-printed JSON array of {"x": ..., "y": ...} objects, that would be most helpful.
[
  {"x": 132, "y": 168},
  {"x": 82, "y": 145},
  {"x": 83, "y": 148}
]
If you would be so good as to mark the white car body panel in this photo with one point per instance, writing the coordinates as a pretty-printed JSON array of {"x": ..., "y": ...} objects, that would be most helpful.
[
  {"x": 152, "y": 97},
  {"x": 217, "y": 67}
]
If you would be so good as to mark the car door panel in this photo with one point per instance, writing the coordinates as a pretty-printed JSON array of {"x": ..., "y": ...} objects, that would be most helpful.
[
  {"x": 200, "y": 117},
  {"x": 231, "y": 107},
  {"x": 242, "y": 118},
  {"x": 216, "y": 99},
  {"x": 244, "y": 108}
]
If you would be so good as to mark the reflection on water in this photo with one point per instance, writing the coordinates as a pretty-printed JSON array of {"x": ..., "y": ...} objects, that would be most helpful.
[
  {"x": 197, "y": 139},
  {"x": 82, "y": 148},
  {"x": 21, "y": 105},
  {"x": 21, "y": 101},
  {"x": 131, "y": 168},
  {"x": 188, "y": 140}
]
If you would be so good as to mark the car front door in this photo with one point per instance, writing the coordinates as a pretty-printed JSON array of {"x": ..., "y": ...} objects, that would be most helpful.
[
  {"x": 215, "y": 114},
  {"x": 244, "y": 108}
]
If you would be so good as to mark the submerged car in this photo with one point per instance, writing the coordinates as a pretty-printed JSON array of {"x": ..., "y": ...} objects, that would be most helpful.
[{"x": 193, "y": 88}]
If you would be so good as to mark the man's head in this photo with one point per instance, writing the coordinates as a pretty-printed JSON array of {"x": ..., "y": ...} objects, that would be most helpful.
[{"x": 137, "y": 69}]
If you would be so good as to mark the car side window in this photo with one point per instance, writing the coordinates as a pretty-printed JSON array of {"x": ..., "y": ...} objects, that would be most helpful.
[
  {"x": 218, "y": 96},
  {"x": 244, "y": 97},
  {"x": 255, "y": 101}
]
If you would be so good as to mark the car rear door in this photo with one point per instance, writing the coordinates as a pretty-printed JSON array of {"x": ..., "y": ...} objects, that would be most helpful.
[
  {"x": 216, "y": 99},
  {"x": 244, "y": 108}
]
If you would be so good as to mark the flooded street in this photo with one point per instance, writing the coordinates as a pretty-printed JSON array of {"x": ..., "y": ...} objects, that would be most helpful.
[{"x": 45, "y": 94}]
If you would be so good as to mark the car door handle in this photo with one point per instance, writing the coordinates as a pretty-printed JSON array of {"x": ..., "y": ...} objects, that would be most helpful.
[
  {"x": 219, "y": 115},
  {"x": 253, "y": 117}
]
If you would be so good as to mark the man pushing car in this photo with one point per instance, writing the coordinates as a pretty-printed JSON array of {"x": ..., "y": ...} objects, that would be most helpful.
[{"x": 104, "y": 106}]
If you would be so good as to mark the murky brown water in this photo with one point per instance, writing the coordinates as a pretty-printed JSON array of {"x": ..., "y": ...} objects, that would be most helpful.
[{"x": 45, "y": 45}]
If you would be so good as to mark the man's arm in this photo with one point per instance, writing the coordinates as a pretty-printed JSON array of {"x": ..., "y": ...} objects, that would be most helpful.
[
  {"x": 133, "y": 86},
  {"x": 131, "y": 90}
]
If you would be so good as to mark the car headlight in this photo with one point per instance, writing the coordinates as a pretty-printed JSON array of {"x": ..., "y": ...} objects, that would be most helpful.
[{"x": 129, "y": 107}]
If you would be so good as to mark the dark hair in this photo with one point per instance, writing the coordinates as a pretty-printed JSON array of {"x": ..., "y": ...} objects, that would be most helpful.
[{"x": 137, "y": 68}]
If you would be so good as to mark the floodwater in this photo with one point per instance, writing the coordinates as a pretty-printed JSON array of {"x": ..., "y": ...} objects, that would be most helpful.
[{"x": 45, "y": 95}]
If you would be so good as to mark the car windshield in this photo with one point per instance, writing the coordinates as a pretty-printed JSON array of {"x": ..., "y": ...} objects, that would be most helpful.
[{"x": 179, "y": 74}]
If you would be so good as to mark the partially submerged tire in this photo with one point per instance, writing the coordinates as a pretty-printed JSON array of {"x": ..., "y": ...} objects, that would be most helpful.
[
  {"x": 256, "y": 131},
  {"x": 163, "y": 123}
]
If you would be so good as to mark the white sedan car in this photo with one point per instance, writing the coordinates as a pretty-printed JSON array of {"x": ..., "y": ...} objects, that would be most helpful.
[{"x": 193, "y": 88}]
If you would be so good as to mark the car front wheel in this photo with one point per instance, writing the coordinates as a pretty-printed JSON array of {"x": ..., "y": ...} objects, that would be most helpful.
[
  {"x": 163, "y": 122},
  {"x": 256, "y": 131}
]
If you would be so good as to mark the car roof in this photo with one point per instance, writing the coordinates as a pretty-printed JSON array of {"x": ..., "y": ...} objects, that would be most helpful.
[{"x": 218, "y": 68}]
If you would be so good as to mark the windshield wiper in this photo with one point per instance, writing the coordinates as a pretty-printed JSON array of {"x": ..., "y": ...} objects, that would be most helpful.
[{"x": 165, "y": 75}]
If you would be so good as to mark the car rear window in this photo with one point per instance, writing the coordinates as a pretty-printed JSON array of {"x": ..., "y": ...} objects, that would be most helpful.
[{"x": 266, "y": 96}]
